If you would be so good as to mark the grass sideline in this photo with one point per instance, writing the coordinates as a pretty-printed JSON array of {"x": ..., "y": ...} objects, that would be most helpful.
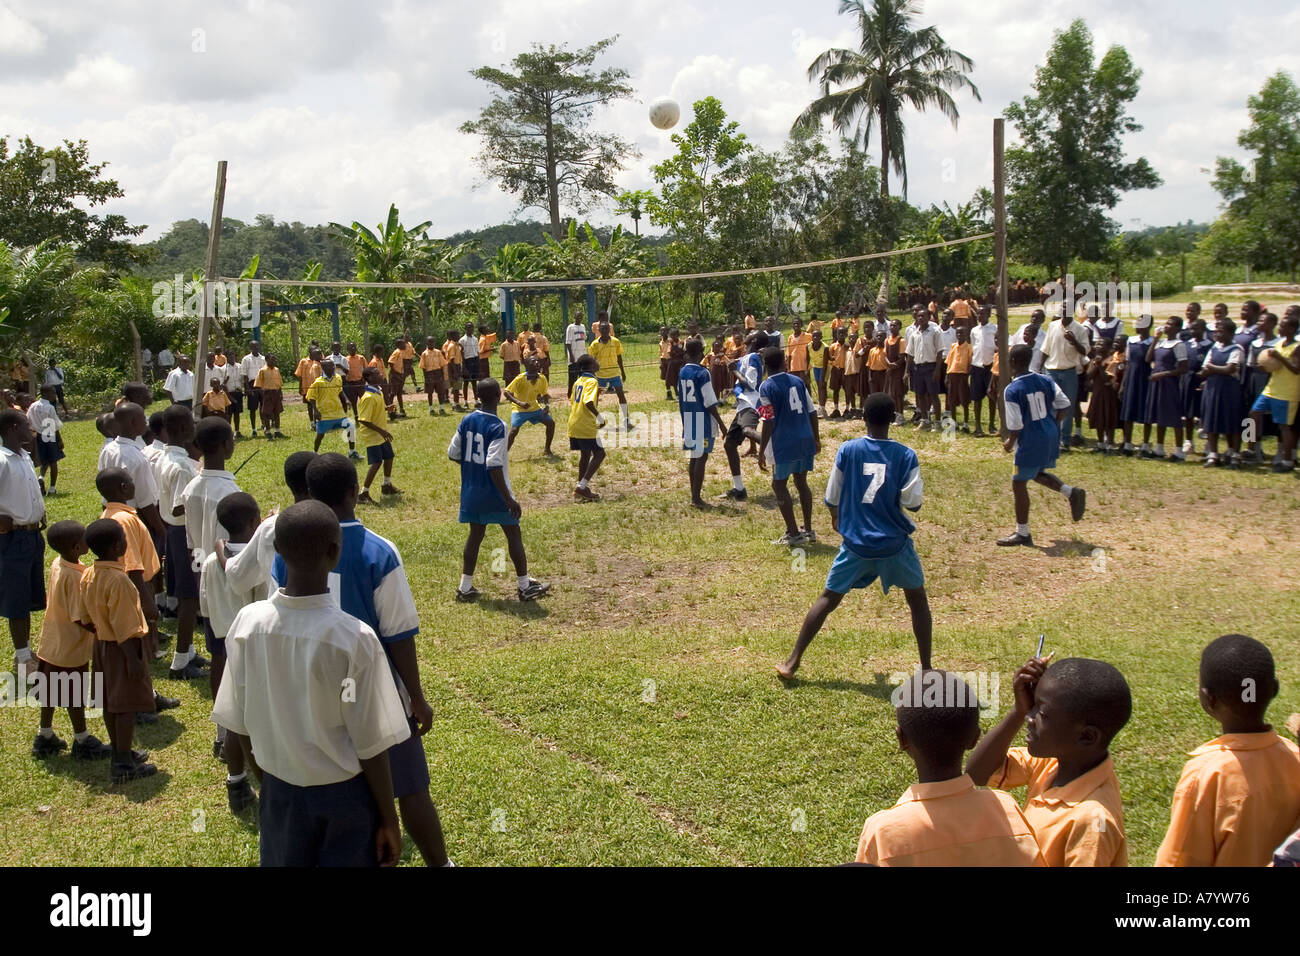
[{"x": 634, "y": 717}]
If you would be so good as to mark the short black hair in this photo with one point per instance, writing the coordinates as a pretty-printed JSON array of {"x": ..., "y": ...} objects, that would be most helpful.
[
  {"x": 109, "y": 482},
  {"x": 489, "y": 390},
  {"x": 176, "y": 419},
  {"x": 330, "y": 477},
  {"x": 1094, "y": 692},
  {"x": 757, "y": 341},
  {"x": 295, "y": 472},
  {"x": 63, "y": 535},
  {"x": 1020, "y": 355},
  {"x": 1228, "y": 662},
  {"x": 10, "y": 419},
  {"x": 695, "y": 349},
  {"x": 103, "y": 535},
  {"x": 104, "y": 423},
  {"x": 211, "y": 433},
  {"x": 156, "y": 423},
  {"x": 303, "y": 529},
  {"x": 587, "y": 363},
  {"x": 773, "y": 359},
  {"x": 942, "y": 728},
  {"x": 137, "y": 392},
  {"x": 125, "y": 412},
  {"x": 237, "y": 511},
  {"x": 879, "y": 409}
]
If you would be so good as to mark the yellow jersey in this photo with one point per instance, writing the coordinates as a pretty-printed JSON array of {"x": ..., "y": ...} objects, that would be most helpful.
[
  {"x": 527, "y": 391},
  {"x": 327, "y": 394},
  {"x": 607, "y": 354},
  {"x": 370, "y": 408},
  {"x": 582, "y": 423}
]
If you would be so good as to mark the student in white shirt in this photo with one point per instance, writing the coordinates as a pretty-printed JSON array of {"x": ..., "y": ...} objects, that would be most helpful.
[
  {"x": 249, "y": 366},
  {"x": 983, "y": 349},
  {"x": 48, "y": 427},
  {"x": 309, "y": 695},
  {"x": 251, "y": 566},
  {"x": 176, "y": 469},
  {"x": 575, "y": 345},
  {"x": 1035, "y": 323},
  {"x": 201, "y": 496},
  {"x": 179, "y": 384},
  {"x": 56, "y": 378},
  {"x": 125, "y": 452},
  {"x": 22, "y": 547},
  {"x": 922, "y": 350}
]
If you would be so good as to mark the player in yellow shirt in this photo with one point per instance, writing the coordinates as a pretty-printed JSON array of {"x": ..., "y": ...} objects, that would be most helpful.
[
  {"x": 585, "y": 423},
  {"x": 1280, "y": 398},
  {"x": 325, "y": 403},
  {"x": 308, "y": 371},
  {"x": 608, "y": 353},
  {"x": 528, "y": 392},
  {"x": 372, "y": 416}
]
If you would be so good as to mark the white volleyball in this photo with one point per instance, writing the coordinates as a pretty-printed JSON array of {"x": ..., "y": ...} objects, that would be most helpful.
[{"x": 664, "y": 112}]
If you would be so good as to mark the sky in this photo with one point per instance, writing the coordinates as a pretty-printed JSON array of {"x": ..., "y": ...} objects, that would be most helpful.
[{"x": 330, "y": 109}]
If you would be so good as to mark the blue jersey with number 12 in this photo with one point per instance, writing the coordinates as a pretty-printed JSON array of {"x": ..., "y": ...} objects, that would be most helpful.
[{"x": 695, "y": 396}]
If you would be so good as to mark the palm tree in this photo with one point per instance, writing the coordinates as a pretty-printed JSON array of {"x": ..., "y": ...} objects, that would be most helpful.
[
  {"x": 393, "y": 254},
  {"x": 895, "y": 65},
  {"x": 38, "y": 288}
]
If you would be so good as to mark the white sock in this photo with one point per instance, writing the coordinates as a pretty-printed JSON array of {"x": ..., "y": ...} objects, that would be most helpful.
[
  {"x": 622, "y": 411},
  {"x": 524, "y": 581},
  {"x": 449, "y": 863},
  {"x": 81, "y": 737},
  {"x": 23, "y": 654},
  {"x": 737, "y": 482},
  {"x": 466, "y": 582},
  {"x": 236, "y": 778},
  {"x": 387, "y": 481},
  {"x": 1022, "y": 529},
  {"x": 1146, "y": 446},
  {"x": 1065, "y": 490},
  {"x": 181, "y": 658},
  {"x": 582, "y": 482}
]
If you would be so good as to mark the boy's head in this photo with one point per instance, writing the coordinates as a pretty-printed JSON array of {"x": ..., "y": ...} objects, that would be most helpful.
[
  {"x": 68, "y": 538},
  {"x": 130, "y": 419},
  {"x": 214, "y": 385},
  {"x": 106, "y": 425},
  {"x": 429, "y": 342},
  {"x": 1020, "y": 358},
  {"x": 272, "y": 361},
  {"x": 295, "y": 473},
  {"x": 115, "y": 484},
  {"x": 137, "y": 392},
  {"x": 48, "y": 393},
  {"x": 532, "y": 367},
  {"x": 239, "y": 515},
  {"x": 371, "y": 376},
  {"x": 879, "y": 411},
  {"x": 157, "y": 428},
  {"x": 936, "y": 728},
  {"x": 489, "y": 391},
  {"x": 587, "y": 364},
  {"x": 178, "y": 425},
  {"x": 817, "y": 336},
  {"x": 352, "y": 348},
  {"x": 331, "y": 480},
  {"x": 15, "y": 429},
  {"x": 963, "y": 334},
  {"x": 308, "y": 537},
  {"x": 214, "y": 438},
  {"x": 757, "y": 341},
  {"x": 1238, "y": 680},
  {"x": 336, "y": 347},
  {"x": 695, "y": 350},
  {"x": 773, "y": 360},
  {"x": 106, "y": 539},
  {"x": 327, "y": 368},
  {"x": 1079, "y": 706}
]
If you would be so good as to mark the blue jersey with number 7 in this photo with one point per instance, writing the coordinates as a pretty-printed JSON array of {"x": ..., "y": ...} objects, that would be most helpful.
[{"x": 873, "y": 481}]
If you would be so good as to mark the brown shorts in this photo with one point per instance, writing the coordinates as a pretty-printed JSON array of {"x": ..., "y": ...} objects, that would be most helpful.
[
  {"x": 60, "y": 689},
  {"x": 453, "y": 373},
  {"x": 663, "y": 369},
  {"x": 272, "y": 403},
  {"x": 123, "y": 694},
  {"x": 958, "y": 388},
  {"x": 837, "y": 378}
]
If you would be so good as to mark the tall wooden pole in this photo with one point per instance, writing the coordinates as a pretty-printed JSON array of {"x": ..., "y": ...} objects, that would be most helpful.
[
  {"x": 1000, "y": 262},
  {"x": 209, "y": 277}
]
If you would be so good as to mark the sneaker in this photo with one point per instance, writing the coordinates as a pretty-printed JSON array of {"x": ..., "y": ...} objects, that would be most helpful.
[
  {"x": 834, "y": 415},
  {"x": 92, "y": 748},
  {"x": 467, "y": 597},
  {"x": 240, "y": 796},
  {"x": 923, "y": 425},
  {"x": 390, "y": 489},
  {"x": 1078, "y": 503},
  {"x": 1187, "y": 446},
  {"x": 122, "y": 773},
  {"x": 364, "y": 498},
  {"x": 354, "y": 456},
  {"x": 789, "y": 540},
  {"x": 190, "y": 671},
  {"x": 43, "y": 747},
  {"x": 808, "y": 536},
  {"x": 898, "y": 418},
  {"x": 161, "y": 703},
  {"x": 534, "y": 590},
  {"x": 1211, "y": 461},
  {"x": 735, "y": 494},
  {"x": 1011, "y": 540}
]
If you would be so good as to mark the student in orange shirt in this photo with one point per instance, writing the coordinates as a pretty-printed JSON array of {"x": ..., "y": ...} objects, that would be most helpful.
[
  {"x": 353, "y": 385},
  {"x": 944, "y": 819},
  {"x": 216, "y": 401},
  {"x": 110, "y": 605},
  {"x": 308, "y": 371},
  {"x": 65, "y": 650},
  {"x": 510, "y": 356},
  {"x": 852, "y": 376},
  {"x": 838, "y": 355},
  {"x": 1073, "y": 709},
  {"x": 408, "y": 358},
  {"x": 487, "y": 343},
  {"x": 719, "y": 372},
  {"x": 1239, "y": 795},
  {"x": 432, "y": 363},
  {"x": 751, "y": 323},
  {"x": 270, "y": 383},
  {"x": 958, "y": 368},
  {"x": 895, "y": 378},
  {"x": 544, "y": 345},
  {"x": 665, "y": 350},
  {"x": 377, "y": 361},
  {"x": 454, "y": 355},
  {"x": 397, "y": 375},
  {"x": 796, "y": 354},
  {"x": 878, "y": 366}
]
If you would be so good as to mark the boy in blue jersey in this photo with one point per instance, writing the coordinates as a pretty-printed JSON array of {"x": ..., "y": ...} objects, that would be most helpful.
[
  {"x": 699, "y": 406},
  {"x": 872, "y": 481},
  {"x": 1035, "y": 408},
  {"x": 790, "y": 440},
  {"x": 369, "y": 582},
  {"x": 481, "y": 446},
  {"x": 748, "y": 372}
]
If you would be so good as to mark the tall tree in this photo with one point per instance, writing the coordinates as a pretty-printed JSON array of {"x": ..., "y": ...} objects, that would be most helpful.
[
  {"x": 45, "y": 195},
  {"x": 537, "y": 137},
  {"x": 1068, "y": 169},
  {"x": 1261, "y": 221},
  {"x": 389, "y": 253},
  {"x": 896, "y": 65}
]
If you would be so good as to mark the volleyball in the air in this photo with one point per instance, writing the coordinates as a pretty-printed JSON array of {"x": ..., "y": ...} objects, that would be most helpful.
[
  {"x": 664, "y": 112},
  {"x": 1269, "y": 361}
]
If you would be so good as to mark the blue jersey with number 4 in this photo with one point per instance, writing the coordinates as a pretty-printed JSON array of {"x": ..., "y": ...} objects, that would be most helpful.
[
  {"x": 873, "y": 481},
  {"x": 784, "y": 401},
  {"x": 480, "y": 445},
  {"x": 1032, "y": 401}
]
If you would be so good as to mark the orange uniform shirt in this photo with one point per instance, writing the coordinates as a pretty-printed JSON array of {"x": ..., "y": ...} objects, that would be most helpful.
[
  {"x": 269, "y": 378},
  {"x": 878, "y": 359},
  {"x": 510, "y": 351},
  {"x": 356, "y": 365},
  {"x": 751, "y": 323},
  {"x": 140, "y": 552},
  {"x": 796, "y": 352},
  {"x": 949, "y": 823},
  {"x": 453, "y": 353},
  {"x": 110, "y": 601},
  {"x": 432, "y": 359},
  {"x": 665, "y": 349},
  {"x": 216, "y": 401},
  {"x": 397, "y": 361},
  {"x": 838, "y": 351},
  {"x": 543, "y": 343},
  {"x": 1237, "y": 799},
  {"x": 488, "y": 343},
  {"x": 64, "y": 642},
  {"x": 408, "y": 351},
  {"x": 959, "y": 357},
  {"x": 306, "y": 373},
  {"x": 1080, "y": 824},
  {"x": 735, "y": 348}
]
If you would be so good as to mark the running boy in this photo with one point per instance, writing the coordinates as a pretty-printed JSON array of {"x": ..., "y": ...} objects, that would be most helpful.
[
  {"x": 790, "y": 441},
  {"x": 874, "y": 479},
  {"x": 377, "y": 440}
]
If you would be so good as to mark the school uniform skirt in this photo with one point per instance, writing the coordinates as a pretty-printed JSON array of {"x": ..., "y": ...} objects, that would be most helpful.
[
  {"x": 1103, "y": 408},
  {"x": 1165, "y": 403},
  {"x": 1137, "y": 386},
  {"x": 1221, "y": 407}
]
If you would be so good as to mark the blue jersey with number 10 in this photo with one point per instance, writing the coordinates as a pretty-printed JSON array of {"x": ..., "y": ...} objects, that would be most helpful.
[
  {"x": 1032, "y": 401},
  {"x": 784, "y": 399}
]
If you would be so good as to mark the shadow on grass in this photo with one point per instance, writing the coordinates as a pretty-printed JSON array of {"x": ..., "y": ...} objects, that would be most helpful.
[
  {"x": 532, "y": 610},
  {"x": 162, "y": 734},
  {"x": 880, "y": 687},
  {"x": 1074, "y": 548},
  {"x": 94, "y": 775}
]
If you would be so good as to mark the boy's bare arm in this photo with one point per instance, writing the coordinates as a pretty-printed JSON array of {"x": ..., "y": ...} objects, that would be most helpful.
[
  {"x": 991, "y": 752},
  {"x": 388, "y": 841},
  {"x": 408, "y": 669},
  {"x": 499, "y": 483}
]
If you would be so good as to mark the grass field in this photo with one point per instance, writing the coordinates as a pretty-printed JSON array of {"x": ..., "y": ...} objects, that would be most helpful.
[{"x": 633, "y": 717}]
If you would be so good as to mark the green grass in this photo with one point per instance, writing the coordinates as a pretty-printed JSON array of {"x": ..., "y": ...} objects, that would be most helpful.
[{"x": 633, "y": 716}]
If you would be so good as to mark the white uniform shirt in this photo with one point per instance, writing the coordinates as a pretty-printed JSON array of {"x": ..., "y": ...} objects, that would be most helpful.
[
  {"x": 311, "y": 687},
  {"x": 124, "y": 453},
  {"x": 469, "y": 346},
  {"x": 250, "y": 365},
  {"x": 165, "y": 359},
  {"x": 45, "y": 420},
  {"x": 575, "y": 340},
  {"x": 200, "y": 498},
  {"x": 175, "y": 469},
  {"x": 20, "y": 490},
  {"x": 923, "y": 346},
  {"x": 54, "y": 376},
  {"x": 181, "y": 385},
  {"x": 983, "y": 344},
  {"x": 250, "y": 568},
  {"x": 219, "y": 600}
]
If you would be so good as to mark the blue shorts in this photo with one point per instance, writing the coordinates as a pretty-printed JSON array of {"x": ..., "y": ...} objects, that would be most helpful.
[
  {"x": 615, "y": 382},
  {"x": 536, "y": 416},
  {"x": 48, "y": 452},
  {"x": 216, "y": 645},
  {"x": 332, "y": 424},
  {"x": 377, "y": 454},
  {"x": 22, "y": 568},
  {"x": 408, "y": 765},
  {"x": 902, "y": 569},
  {"x": 1027, "y": 472},
  {"x": 782, "y": 470},
  {"x": 181, "y": 578},
  {"x": 488, "y": 517},
  {"x": 818, "y": 373},
  {"x": 1282, "y": 413},
  {"x": 698, "y": 447},
  {"x": 330, "y": 825}
]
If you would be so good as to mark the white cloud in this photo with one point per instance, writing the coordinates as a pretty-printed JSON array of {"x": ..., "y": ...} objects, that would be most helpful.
[{"x": 18, "y": 37}]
